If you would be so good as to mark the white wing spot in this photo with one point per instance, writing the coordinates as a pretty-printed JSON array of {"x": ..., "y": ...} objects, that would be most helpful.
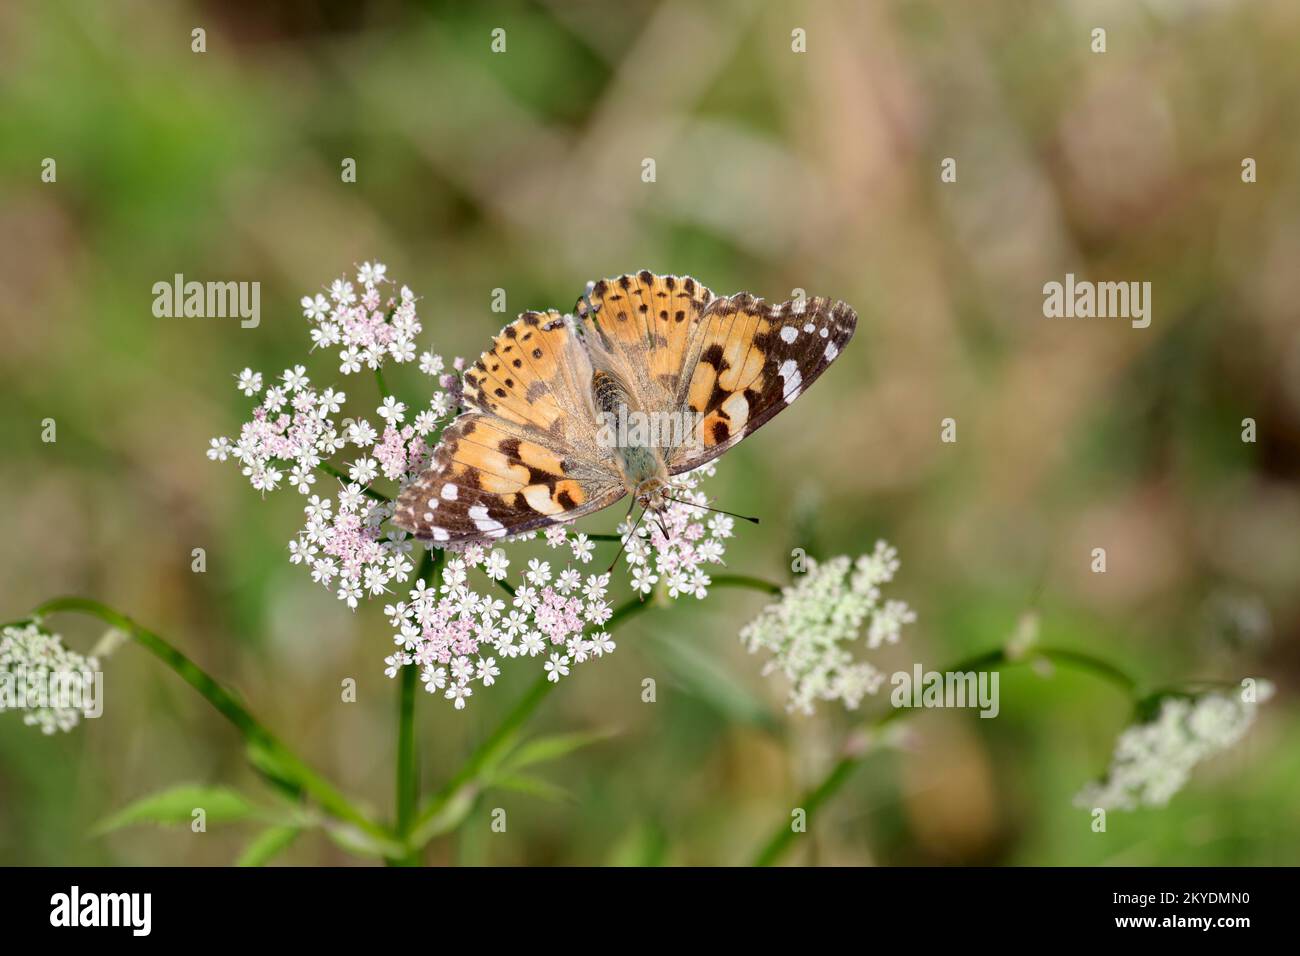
[
  {"x": 789, "y": 334},
  {"x": 825, "y": 331},
  {"x": 479, "y": 515},
  {"x": 831, "y": 351},
  {"x": 449, "y": 492},
  {"x": 793, "y": 380},
  {"x": 810, "y": 327},
  {"x": 433, "y": 504},
  {"x": 439, "y": 534}
]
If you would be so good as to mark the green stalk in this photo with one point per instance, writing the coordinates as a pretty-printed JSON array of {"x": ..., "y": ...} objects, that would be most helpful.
[
  {"x": 840, "y": 772},
  {"x": 253, "y": 731},
  {"x": 408, "y": 765}
]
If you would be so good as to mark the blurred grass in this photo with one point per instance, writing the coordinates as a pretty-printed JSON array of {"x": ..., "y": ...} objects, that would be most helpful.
[{"x": 775, "y": 170}]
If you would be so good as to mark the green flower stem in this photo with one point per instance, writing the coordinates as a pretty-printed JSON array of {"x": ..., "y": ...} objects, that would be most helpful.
[
  {"x": 744, "y": 581},
  {"x": 839, "y": 773},
  {"x": 464, "y": 783},
  {"x": 253, "y": 731},
  {"x": 408, "y": 766},
  {"x": 383, "y": 385}
]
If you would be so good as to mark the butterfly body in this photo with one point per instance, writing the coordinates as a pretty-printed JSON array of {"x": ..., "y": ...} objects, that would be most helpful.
[{"x": 545, "y": 438}]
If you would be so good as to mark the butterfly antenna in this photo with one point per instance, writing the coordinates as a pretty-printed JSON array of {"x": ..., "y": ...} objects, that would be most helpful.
[
  {"x": 691, "y": 504},
  {"x": 628, "y": 537}
]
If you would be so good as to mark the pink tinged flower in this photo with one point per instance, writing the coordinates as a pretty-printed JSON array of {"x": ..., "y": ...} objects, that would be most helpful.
[
  {"x": 435, "y": 678},
  {"x": 555, "y": 535},
  {"x": 220, "y": 449}
]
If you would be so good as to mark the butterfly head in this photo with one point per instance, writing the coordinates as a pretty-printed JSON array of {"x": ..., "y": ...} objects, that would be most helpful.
[{"x": 650, "y": 495}]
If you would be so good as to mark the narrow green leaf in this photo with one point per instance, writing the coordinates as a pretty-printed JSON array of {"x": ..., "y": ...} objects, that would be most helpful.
[
  {"x": 448, "y": 817},
  {"x": 551, "y": 747},
  {"x": 267, "y": 845},
  {"x": 177, "y": 805},
  {"x": 534, "y": 786},
  {"x": 703, "y": 677}
]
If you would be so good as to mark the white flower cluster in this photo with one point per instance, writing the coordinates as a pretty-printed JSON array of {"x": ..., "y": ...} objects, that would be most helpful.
[
  {"x": 452, "y": 632},
  {"x": 1152, "y": 761},
  {"x": 296, "y": 429},
  {"x": 458, "y": 636},
  {"x": 368, "y": 327},
  {"x": 807, "y": 631},
  {"x": 39, "y": 676}
]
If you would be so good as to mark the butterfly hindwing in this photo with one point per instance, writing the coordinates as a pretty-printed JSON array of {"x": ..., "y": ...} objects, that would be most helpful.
[
  {"x": 750, "y": 361},
  {"x": 525, "y": 456},
  {"x": 490, "y": 479}
]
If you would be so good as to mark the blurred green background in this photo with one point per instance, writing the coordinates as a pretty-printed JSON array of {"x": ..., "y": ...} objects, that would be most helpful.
[{"x": 775, "y": 170}]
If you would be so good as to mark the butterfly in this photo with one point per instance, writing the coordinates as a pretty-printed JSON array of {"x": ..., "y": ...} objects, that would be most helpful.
[{"x": 545, "y": 438}]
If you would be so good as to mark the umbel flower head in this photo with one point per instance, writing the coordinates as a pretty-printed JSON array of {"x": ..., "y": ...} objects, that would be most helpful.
[
  {"x": 459, "y": 637},
  {"x": 808, "y": 632},
  {"x": 51, "y": 685},
  {"x": 300, "y": 436},
  {"x": 1153, "y": 760}
]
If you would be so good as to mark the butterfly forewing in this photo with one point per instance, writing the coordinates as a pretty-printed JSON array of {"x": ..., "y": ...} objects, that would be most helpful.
[{"x": 751, "y": 360}]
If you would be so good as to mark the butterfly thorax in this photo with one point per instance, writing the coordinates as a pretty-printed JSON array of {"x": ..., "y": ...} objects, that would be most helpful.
[{"x": 641, "y": 463}]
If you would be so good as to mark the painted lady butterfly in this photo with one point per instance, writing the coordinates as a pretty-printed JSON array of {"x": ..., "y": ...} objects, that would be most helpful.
[{"x": 531, "y": 450}]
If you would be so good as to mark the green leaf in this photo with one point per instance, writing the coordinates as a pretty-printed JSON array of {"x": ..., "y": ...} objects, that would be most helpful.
[
  {"x": 534, "y": 786},
  {"x": 177, "y": 806},
  {"x": 267, "y": 845},
  {"x": 703, "y": 677},
  {"x": 552, "y": 747}
]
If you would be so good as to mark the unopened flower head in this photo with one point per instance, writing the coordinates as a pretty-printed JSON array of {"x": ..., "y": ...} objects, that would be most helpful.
[
  {"x": 809, "y": 632},
  {"x": 52, "y": 686},
  {"x": 1153, "y": 760}
]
